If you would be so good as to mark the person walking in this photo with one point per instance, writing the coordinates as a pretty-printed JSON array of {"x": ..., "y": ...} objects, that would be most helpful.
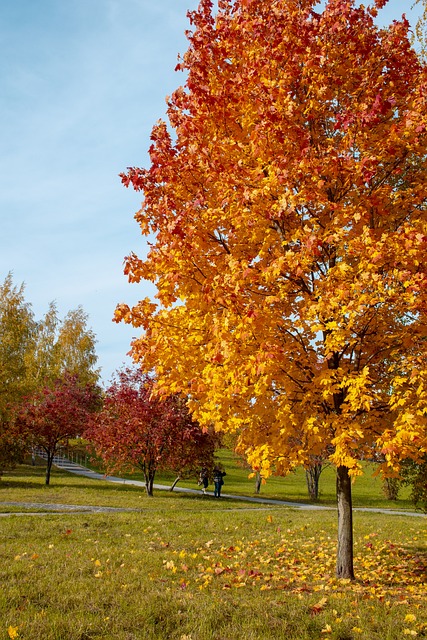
[
  {"x": 204, "y": 479},
  {"x": 218, "y": 476}
]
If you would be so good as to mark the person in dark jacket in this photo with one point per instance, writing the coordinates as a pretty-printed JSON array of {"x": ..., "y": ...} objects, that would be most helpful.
[
  {"x": 218, "y": 476},
  {"x": 204, "y": 479}
]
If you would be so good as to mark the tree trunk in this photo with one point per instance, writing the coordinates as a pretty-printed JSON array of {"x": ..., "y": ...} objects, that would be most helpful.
[
  {"x": 175, "y": 482},
  {"x": 258, "y": 481},
  {"x": 391, "y": 488},
  {"x": 49, "y": 466},
  {"x": 344, "y": 568},
  {"x": 149, "y": 481},
  {"x": 312, "y": 476}
]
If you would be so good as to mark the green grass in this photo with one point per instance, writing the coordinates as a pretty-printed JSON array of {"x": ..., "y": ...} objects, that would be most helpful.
[
  {"x": 367, "y": 489},
  {"x": 184, "y": 567},
  {"x": 26, "y": 484}
]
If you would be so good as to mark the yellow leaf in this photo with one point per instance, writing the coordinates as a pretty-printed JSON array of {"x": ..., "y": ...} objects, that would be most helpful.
[
  {"x": 410, "y": 617},
  {"x": 316, "y": 608},
  {"x": 13, "y": 632}
]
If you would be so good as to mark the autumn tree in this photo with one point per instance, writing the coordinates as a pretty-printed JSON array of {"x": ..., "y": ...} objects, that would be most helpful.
[
  {"x": 41, "y": 358},
  {"x": 55, "y": 413},
  {"x": 17, "y": 336},
  {"x": 286, "y": 208},
  {"x": 136, "y": 431},
  {"x": 66, "y": 345},
  {"x": 76, "y": 346},
  {"x": 35, "y": 354}
]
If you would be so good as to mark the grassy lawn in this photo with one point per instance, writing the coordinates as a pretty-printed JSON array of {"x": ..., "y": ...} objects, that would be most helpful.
[
  {"x": 187, "y": 567},
  {"x": 367, "y": 489}
]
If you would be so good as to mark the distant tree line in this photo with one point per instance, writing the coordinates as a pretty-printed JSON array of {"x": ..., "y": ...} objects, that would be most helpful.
[{"x": 50, "y": 393}]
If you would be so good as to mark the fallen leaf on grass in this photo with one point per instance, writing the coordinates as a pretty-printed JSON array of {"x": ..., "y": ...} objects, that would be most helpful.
[
  {"x": 318, "y": 607},
  {"x": 410, "y": 617}
]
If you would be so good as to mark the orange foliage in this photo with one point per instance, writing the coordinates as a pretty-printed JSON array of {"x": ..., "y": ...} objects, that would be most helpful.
[{"x": 288, "y": 210}]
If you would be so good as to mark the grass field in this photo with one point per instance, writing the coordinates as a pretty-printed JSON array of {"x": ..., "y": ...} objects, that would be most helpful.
[
  {"x": 367, "y": 489},
  {"x": 187, "y": 567}
]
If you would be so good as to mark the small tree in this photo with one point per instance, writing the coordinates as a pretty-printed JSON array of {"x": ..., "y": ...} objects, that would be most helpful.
[
  {"x": 52, "y": 415},
  {"x": 136, "y": 431},
  {"x": 313, "y": 471}
]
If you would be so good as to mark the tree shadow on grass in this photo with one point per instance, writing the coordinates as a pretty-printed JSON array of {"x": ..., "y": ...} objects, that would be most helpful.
[
  {"x": 56, "y": 484},
  {"x": 16, "y": 484}
]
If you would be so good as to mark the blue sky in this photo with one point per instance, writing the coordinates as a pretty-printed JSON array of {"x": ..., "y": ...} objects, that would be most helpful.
[{"x": 82, "y": 83}]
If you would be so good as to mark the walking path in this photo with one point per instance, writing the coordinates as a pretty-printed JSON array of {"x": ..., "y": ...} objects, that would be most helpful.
[
  {"x": 48, "y": 508},
  {"x": 72, "y": 467}
]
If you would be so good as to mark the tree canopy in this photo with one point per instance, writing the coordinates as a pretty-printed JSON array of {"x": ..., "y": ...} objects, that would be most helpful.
[
  {"x": 35, "y": 354},
  {"x": 287, "y": 201},
  {"x": 137, "y": 431},
  {"x": 53, "y": 414}
]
